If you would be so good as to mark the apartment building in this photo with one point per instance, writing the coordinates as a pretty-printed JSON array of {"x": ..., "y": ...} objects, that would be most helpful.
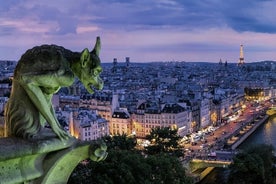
[
  {"x": 120, "y": 122},
  {"x": 87, "y": 125},
  {"x": 150, "y": 114}
]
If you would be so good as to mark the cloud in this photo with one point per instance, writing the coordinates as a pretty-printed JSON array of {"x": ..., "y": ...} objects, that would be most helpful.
[
  {"x": 248, "y": 15},
  {"x": 84, "y": 29},
  {"x": 142, "y": 29},
  {"x": 200, "y": 45},
  {"x": 25, "y": 26}
]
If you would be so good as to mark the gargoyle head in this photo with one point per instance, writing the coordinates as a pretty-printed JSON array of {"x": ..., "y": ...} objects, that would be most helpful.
[{"x": 91, "y": 68}]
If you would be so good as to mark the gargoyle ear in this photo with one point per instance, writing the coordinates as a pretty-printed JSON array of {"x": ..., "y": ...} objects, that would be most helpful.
[
  {"x": 85, "y": 57},
  {"x": 97, "y": 47}
]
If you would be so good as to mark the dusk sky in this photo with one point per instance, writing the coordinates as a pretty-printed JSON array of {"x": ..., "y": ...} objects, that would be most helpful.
[{"x": 144, "y": 30}]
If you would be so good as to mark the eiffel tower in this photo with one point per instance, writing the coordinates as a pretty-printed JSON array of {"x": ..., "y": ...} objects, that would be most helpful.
[{"x": 241, "y": 59}]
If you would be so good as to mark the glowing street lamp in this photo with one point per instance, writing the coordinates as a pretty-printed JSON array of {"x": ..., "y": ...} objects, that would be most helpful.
[{"x": 214, "y": 117}]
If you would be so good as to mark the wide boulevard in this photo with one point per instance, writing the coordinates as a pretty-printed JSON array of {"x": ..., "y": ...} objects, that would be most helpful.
[{"x": 217, "y": 138}]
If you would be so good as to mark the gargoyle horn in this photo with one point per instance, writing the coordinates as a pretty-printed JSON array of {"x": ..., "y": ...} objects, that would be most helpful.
[{"x": 97, "y": 47}]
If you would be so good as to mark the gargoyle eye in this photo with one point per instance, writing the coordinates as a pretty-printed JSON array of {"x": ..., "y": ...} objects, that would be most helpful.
[
  {"x": 99, "y": 69},
  {"x": 96, "y": 71}
]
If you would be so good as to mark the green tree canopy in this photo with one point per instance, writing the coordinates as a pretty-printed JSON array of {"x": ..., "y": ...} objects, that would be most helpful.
[
  {"x": 125, "y": 165},
  {"x": 122, "y": 142},
  {"x": 164, "y": 140},
  {"x": 253, "y": 166}
]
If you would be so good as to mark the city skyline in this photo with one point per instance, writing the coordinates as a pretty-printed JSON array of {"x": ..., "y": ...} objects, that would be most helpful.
[{"x": 145, "y": 31}]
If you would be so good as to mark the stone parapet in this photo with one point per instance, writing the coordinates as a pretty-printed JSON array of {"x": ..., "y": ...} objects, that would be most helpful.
[{"x": 48, "y": 161}]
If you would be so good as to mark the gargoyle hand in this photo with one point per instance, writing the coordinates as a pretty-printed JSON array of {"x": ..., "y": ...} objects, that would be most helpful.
[
  {"x": 99, "y": 154},
  {"x": 63, "y": 135}
]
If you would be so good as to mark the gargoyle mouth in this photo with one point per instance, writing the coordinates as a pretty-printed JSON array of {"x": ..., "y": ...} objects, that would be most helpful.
[{"x": 91, "y": 88}]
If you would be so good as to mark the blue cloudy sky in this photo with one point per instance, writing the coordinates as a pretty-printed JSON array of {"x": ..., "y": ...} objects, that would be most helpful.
[{"x": 144, "y": 30}]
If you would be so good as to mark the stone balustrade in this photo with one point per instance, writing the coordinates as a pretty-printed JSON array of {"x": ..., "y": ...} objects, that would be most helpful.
[{"x": 46, "y": 161}]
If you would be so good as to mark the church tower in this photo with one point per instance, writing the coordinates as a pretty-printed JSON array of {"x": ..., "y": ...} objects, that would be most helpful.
[
  {"x": 241, "y": 59},
  {"x": 115, "y": 63},
  {"x": 127, "y": 61}
]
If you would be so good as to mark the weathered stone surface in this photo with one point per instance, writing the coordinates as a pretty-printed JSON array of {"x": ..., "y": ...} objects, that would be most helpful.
[
  {"x": 40, "y": 73},
  {"x": 13, "y": 147},
  {"x": 46, "y": 161},
  {"x": 22, "y": 160},
  {"x": 32, "y": 153}
]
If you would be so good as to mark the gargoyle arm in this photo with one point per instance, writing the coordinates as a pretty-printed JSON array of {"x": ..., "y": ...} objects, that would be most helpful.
[{"x": 32, "y": 87}]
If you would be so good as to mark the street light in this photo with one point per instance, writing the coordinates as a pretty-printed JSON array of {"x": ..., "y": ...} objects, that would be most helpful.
[{"x": 214, "y": 118}]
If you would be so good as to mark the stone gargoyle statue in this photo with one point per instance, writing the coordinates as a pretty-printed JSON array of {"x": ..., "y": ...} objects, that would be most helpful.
[{"x": 40, "y": 73}]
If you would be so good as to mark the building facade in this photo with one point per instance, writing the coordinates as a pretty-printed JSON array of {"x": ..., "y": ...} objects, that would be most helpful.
[{"x": 87, "y": 125}]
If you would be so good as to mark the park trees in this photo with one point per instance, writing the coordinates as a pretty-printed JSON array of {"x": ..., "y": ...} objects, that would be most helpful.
[
  {"x": 255, "y": 165},
  {"x": 164, "y": 140},
  {"x": 126, "y": 165}
]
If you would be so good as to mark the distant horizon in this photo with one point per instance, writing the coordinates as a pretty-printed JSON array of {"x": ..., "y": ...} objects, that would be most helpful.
[
  {"x": 121, "y": 59},
  {"x": 223, "y": 62},
  {"x": 146, "y": 62},
  {"x": 145, "y": 31}
]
